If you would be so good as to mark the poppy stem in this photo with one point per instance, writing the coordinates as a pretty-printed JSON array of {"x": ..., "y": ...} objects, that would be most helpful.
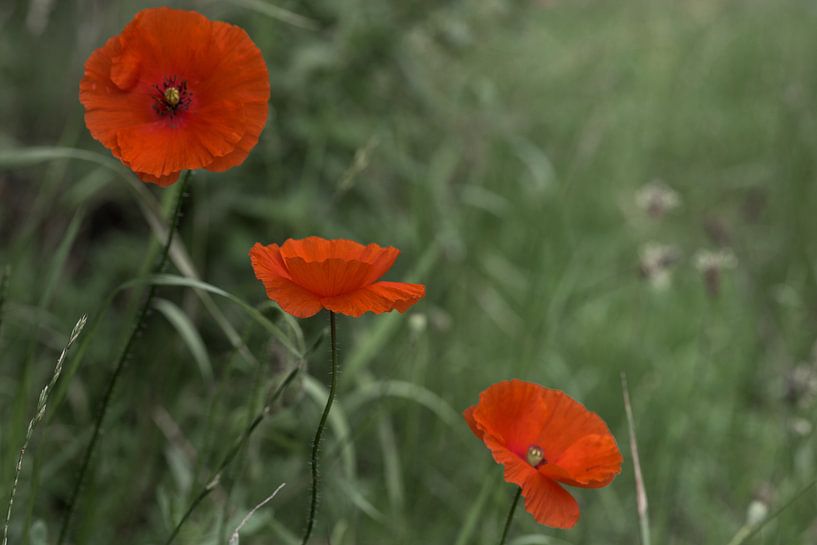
[
  {"x": 122, "y": 360},
  {"x": 313, "y": 506},
  {"x": 510, "y": 516}
]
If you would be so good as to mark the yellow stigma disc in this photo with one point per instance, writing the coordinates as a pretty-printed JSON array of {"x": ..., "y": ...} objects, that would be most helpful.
[
  {"x": 535, "y": 455},
  {"x": 172, "y": 96}
]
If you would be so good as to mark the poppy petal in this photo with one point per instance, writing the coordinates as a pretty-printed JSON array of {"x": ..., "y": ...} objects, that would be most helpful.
[
  {"x": 256, "y": 117},
  {"x": 512, "y": 412},
  {"x": 400, "y": 295},
  {"x": 270, "y": 269},
  {"x": 549, "y": 503},
  {"x": 565, "y": 422},
  {"x": 170, "y": 39},
  {"x": 317, "y": 249},
  {"x": 108, "y": 108},
  {"x": 378, "y": 298},
  {"x": 591, "y": 462},
  {"x": 162, "y": 181},
  {"x": 292, "y": 298},
  {"x": 468, "y": 414},
  {"x": 516, "y": 470},
  {"x": 380, "y": 259},
  {"x": 334, "y": 267},
  {"x": 125, "y": 69},
  {"x": 267, "y": 262},
  {"x": 330, "y": 277},
  {"x": 158, "y": 149},
  {"x": 249, "y": 87}
]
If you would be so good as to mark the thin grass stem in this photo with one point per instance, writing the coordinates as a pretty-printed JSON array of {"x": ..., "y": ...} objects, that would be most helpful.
[
  {"x": 248, "y": 516},
  {"x": 41, "y": 406},
  {"x": 641, "y": 491},
  {"x": 510, "y": 516},
  {"x": 228, "y": 458},
  {"x": 313, "y": 505},
  {"x": 121, "y": 361}
]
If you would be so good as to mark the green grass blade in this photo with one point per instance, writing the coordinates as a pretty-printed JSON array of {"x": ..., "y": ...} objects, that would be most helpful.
[
  {"x": 4, "y": 284},
  {"x": 150, "y": 208},
  {"x": 469, "y": 524},
  {"x": 274, "y": 330},
  {"x": 284, "y": 15},
  {"x": 57, "y": 266},
  {"x": 172, "y": 280},
  {"x": 189, "y": 334},
  {"x": 392, "y": 467},
  {"x": 22, "y": 157},
  {"x": 367, "y": 393}
]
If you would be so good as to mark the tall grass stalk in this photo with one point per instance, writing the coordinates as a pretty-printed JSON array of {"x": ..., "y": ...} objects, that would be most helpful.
[
  {"x": 38, "y": 415},
  {"x": 641, "y": 492},
  {"x": 313, "y": 504},
  {"x": 213, "y": 481},
  {"x": 121, "y": 361}
]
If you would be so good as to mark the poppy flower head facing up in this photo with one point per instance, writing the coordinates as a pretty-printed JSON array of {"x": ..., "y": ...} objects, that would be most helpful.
[
  {"x": 545, "y": 439},
  {"x": 176, "y": 91},
  {"x": 305, "y": 276}
]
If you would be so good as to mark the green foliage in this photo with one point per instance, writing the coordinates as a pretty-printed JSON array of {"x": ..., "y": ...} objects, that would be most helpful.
[{"x": 500, "y": 146}]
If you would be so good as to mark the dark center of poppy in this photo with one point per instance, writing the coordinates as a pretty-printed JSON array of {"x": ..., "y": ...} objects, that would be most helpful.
[
  {"x": 171, "y": 97},
  {"x": 535, "y": 455}
]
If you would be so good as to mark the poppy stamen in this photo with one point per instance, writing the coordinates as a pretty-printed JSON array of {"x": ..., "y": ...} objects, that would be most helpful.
[
  {"x": 171, "y": 97},
  {"x": 536, "y": 455}
]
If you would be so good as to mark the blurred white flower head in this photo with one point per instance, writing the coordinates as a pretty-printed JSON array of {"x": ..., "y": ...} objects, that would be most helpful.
[
  {"x": 756, "y": 512},
  {"x": 657, "y": 199},
  {"x": 656, "y": 262},
  {"x": 711, "y": 264},
  {"x": 721, "y": 259},
  {"x": 801, "y": 385},
  {"x": 418, "y": 323},
  {"x": 801, "y": 427}
]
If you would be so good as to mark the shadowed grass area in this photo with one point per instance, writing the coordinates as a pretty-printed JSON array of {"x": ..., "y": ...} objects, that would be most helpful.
[{"x": 501, "y": 146}]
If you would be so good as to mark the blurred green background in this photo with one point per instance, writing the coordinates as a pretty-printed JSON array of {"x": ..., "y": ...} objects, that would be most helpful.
[{"x": 586, "y": 187}]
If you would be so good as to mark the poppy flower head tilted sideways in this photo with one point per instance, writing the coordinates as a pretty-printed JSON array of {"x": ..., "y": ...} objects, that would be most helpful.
[
  {"x": 175, "y": 91},
  {"x": 342, "y": 276},
  {"x": 545, "y": 439}
]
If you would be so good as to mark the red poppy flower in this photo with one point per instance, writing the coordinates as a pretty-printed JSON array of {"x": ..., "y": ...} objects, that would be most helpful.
[
  {"x": 176, "y": 91},
  {"x": 544, "y": 438},
  {"x": 304, "y": 276}
]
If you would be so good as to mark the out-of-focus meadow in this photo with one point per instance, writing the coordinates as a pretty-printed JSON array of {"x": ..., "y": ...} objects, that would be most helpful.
[{"x": 586, "y": 187}]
